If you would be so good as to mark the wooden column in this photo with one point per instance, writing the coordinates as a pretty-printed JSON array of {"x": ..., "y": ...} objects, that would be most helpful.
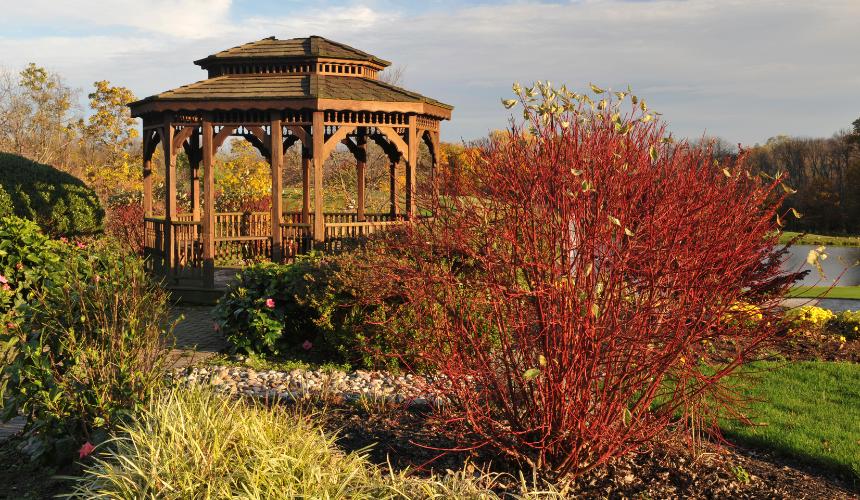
[
  {"x": 319, "y": 159},
  {"x": 277, "y": 152},
  {"x": 208, "y": 205},
  {"x": 411, "y": 166},
  {"x": 194, "y": 163},
  {"x": 147, "y": 173},
  {"x": 306, "y": 183},
  {"x": 361, "y": 165},
  {"x": 170, "y": 196},
  {"x": 434, "y": 167},
  {"x": 392, "y": 174}
]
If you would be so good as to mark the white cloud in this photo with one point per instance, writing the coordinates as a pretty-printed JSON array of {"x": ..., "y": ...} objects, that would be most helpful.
[
  {"x": 742, "y": 69},
  {"x": 176, "y": 18}
]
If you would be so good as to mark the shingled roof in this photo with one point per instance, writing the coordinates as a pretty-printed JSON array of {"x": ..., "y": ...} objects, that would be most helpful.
[
  {"x": 298, "y": 48},
  {"x": 242, "y": 87}
]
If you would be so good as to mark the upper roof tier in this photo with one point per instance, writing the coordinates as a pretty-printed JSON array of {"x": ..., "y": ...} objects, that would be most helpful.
[
  {"x": 255, "y": 56},
  {"x": 302, "y": 73}
]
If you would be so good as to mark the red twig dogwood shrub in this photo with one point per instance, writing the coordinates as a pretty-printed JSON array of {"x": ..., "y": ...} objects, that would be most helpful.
[
  {"x": 125, "y": 224},
  {"x": 567, "y": 289}
]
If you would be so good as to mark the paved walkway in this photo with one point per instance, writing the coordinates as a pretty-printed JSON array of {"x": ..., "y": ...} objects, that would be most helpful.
[{"x": 196, "y": 340}]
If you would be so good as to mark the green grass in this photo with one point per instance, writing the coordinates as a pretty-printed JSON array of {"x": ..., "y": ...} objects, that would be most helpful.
[
  {"x": 811, "y": 413},
  {"x": 817, "y": 239},
  {"x": 837, "y": 292}
]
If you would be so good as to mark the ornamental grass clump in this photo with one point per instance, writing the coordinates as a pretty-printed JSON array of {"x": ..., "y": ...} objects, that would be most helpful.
[
  {"x": 195, "y": 443},
  {"x": 573, "y": 277}
]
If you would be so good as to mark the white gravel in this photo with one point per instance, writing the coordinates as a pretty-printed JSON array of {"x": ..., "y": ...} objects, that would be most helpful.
[{"x": 300, "y": 384}]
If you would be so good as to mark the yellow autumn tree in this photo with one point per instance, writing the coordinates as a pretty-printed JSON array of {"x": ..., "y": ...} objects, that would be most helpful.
[
  {"x": 107, "y": 141},
  {"x": 245, "y": 171}
]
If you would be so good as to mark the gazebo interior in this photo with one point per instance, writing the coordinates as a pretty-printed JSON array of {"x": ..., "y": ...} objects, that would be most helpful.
[{"x": 274, "y": 94}]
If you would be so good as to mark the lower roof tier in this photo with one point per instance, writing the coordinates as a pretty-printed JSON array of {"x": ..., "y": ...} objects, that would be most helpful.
[{"x": 260, "y": 88}]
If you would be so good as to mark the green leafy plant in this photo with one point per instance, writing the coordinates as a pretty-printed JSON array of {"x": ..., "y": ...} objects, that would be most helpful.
[
  {"x": 87, "y": 350},
  {"x": 27, "y": 257},
  {"x": 741, "y": 475},
  {"x": 260, "y": 313},
  {"x": 306, "y": 305}
]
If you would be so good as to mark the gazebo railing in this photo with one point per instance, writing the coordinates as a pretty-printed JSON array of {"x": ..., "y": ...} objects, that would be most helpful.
[{"x": 245, "y": 237}]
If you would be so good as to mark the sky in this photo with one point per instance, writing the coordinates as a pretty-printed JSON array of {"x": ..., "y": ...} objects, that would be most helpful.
[{"x": 743, "y": 70}]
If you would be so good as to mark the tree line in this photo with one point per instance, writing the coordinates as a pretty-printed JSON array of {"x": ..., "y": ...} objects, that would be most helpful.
[{"x": 823, "y": 175}]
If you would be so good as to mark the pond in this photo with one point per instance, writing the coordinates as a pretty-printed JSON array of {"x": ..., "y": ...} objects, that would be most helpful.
[{"x": 831, "y": 266}]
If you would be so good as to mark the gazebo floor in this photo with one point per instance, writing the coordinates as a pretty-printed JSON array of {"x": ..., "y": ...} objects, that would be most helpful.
[{"x": 192, "y": 291}]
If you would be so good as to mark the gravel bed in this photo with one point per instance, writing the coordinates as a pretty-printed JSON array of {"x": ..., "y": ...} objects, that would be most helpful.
[{"x": 301, "y": 384}]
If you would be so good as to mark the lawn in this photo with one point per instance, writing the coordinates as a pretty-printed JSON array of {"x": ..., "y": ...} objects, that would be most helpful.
[
  {"x": 817, "y": 239},
  {"x": 811, "y": 413},
  {"x": 837, "y": 292}
]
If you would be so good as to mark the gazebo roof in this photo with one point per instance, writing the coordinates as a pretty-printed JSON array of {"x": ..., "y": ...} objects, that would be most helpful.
[
  {"x": 254, "y": 87},
  {"x": 296, "y": 48},
  {"x": 301, "y": 73}
]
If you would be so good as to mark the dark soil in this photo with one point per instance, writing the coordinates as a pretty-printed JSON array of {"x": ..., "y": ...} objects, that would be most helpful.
[
  {"x": 723, "y": 472},
  {"x": 824, "y": 345},
  {"x": 23, "y": 479},
  {"x": 834, "y": 343}
]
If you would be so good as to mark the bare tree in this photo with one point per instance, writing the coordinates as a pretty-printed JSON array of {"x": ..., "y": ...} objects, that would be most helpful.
[
  {"x": 38, "y": 111},
  {"x": 394, "y": 75}
]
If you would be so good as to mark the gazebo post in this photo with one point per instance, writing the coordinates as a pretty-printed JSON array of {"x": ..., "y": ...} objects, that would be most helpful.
[
  {"x": 208, "y": 204},
  {"x": 195, "y": 175},
  {"x": 306, "y": 183},
  {"x": 147, "y": 173},
  {"x": 392, "y": 174},
  {"x": 170, "y": 195},
  {"x": 360, "y": 164},
  {"x": 411, "y": 165},
  {"x": 277, "y": 155},
  {"x": 318, "y": 151}
]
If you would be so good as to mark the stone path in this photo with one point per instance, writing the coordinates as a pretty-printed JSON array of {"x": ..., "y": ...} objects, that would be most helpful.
[
  {"x": 196, "y": 340},
  {"x": 195, "y": 336}
]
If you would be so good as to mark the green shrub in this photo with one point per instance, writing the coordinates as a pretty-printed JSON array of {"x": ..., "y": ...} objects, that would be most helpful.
[
  {"x": 86, "y": 351},
  {"x": 59, "y": 202},
  {"x": 27, "y": 257},
  {"x": 313, "y": 300},
  {"x": 6, "y": 208}
]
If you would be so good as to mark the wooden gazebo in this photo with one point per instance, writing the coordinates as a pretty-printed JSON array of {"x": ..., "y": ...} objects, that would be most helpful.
[{"x": 275, "y": 93}]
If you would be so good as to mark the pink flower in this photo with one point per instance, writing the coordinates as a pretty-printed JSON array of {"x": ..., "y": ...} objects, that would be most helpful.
[
  {"x": 64, "y": 240},
  {"x": 97, "y": 278},
  {"x": 270, "y": 303},
  {"x": 323, "y": 262},
  {"x": 81, "y": 245},
  {"x": 6, "y": 287},
  {"x": 10, "y": 326},
  {"x": 19, "y": 266},
  {"x": 85, "y": 450},
  {"x": 307, "y": 345},
  {"x": 217, "y": 326},
  {"x": 3, "y": 279}
]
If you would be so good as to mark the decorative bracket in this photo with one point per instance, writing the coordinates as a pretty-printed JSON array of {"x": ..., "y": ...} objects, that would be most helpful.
[{"x": 337, "y": 137}]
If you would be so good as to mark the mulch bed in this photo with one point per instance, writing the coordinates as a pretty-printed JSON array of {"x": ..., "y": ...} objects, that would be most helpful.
[
  {"x": 661, "y": 474},
  {"x": 406, "y": 438}
]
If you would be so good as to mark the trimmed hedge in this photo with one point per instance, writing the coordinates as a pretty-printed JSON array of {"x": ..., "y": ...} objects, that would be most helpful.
[{"x": 59, "y": 202}]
